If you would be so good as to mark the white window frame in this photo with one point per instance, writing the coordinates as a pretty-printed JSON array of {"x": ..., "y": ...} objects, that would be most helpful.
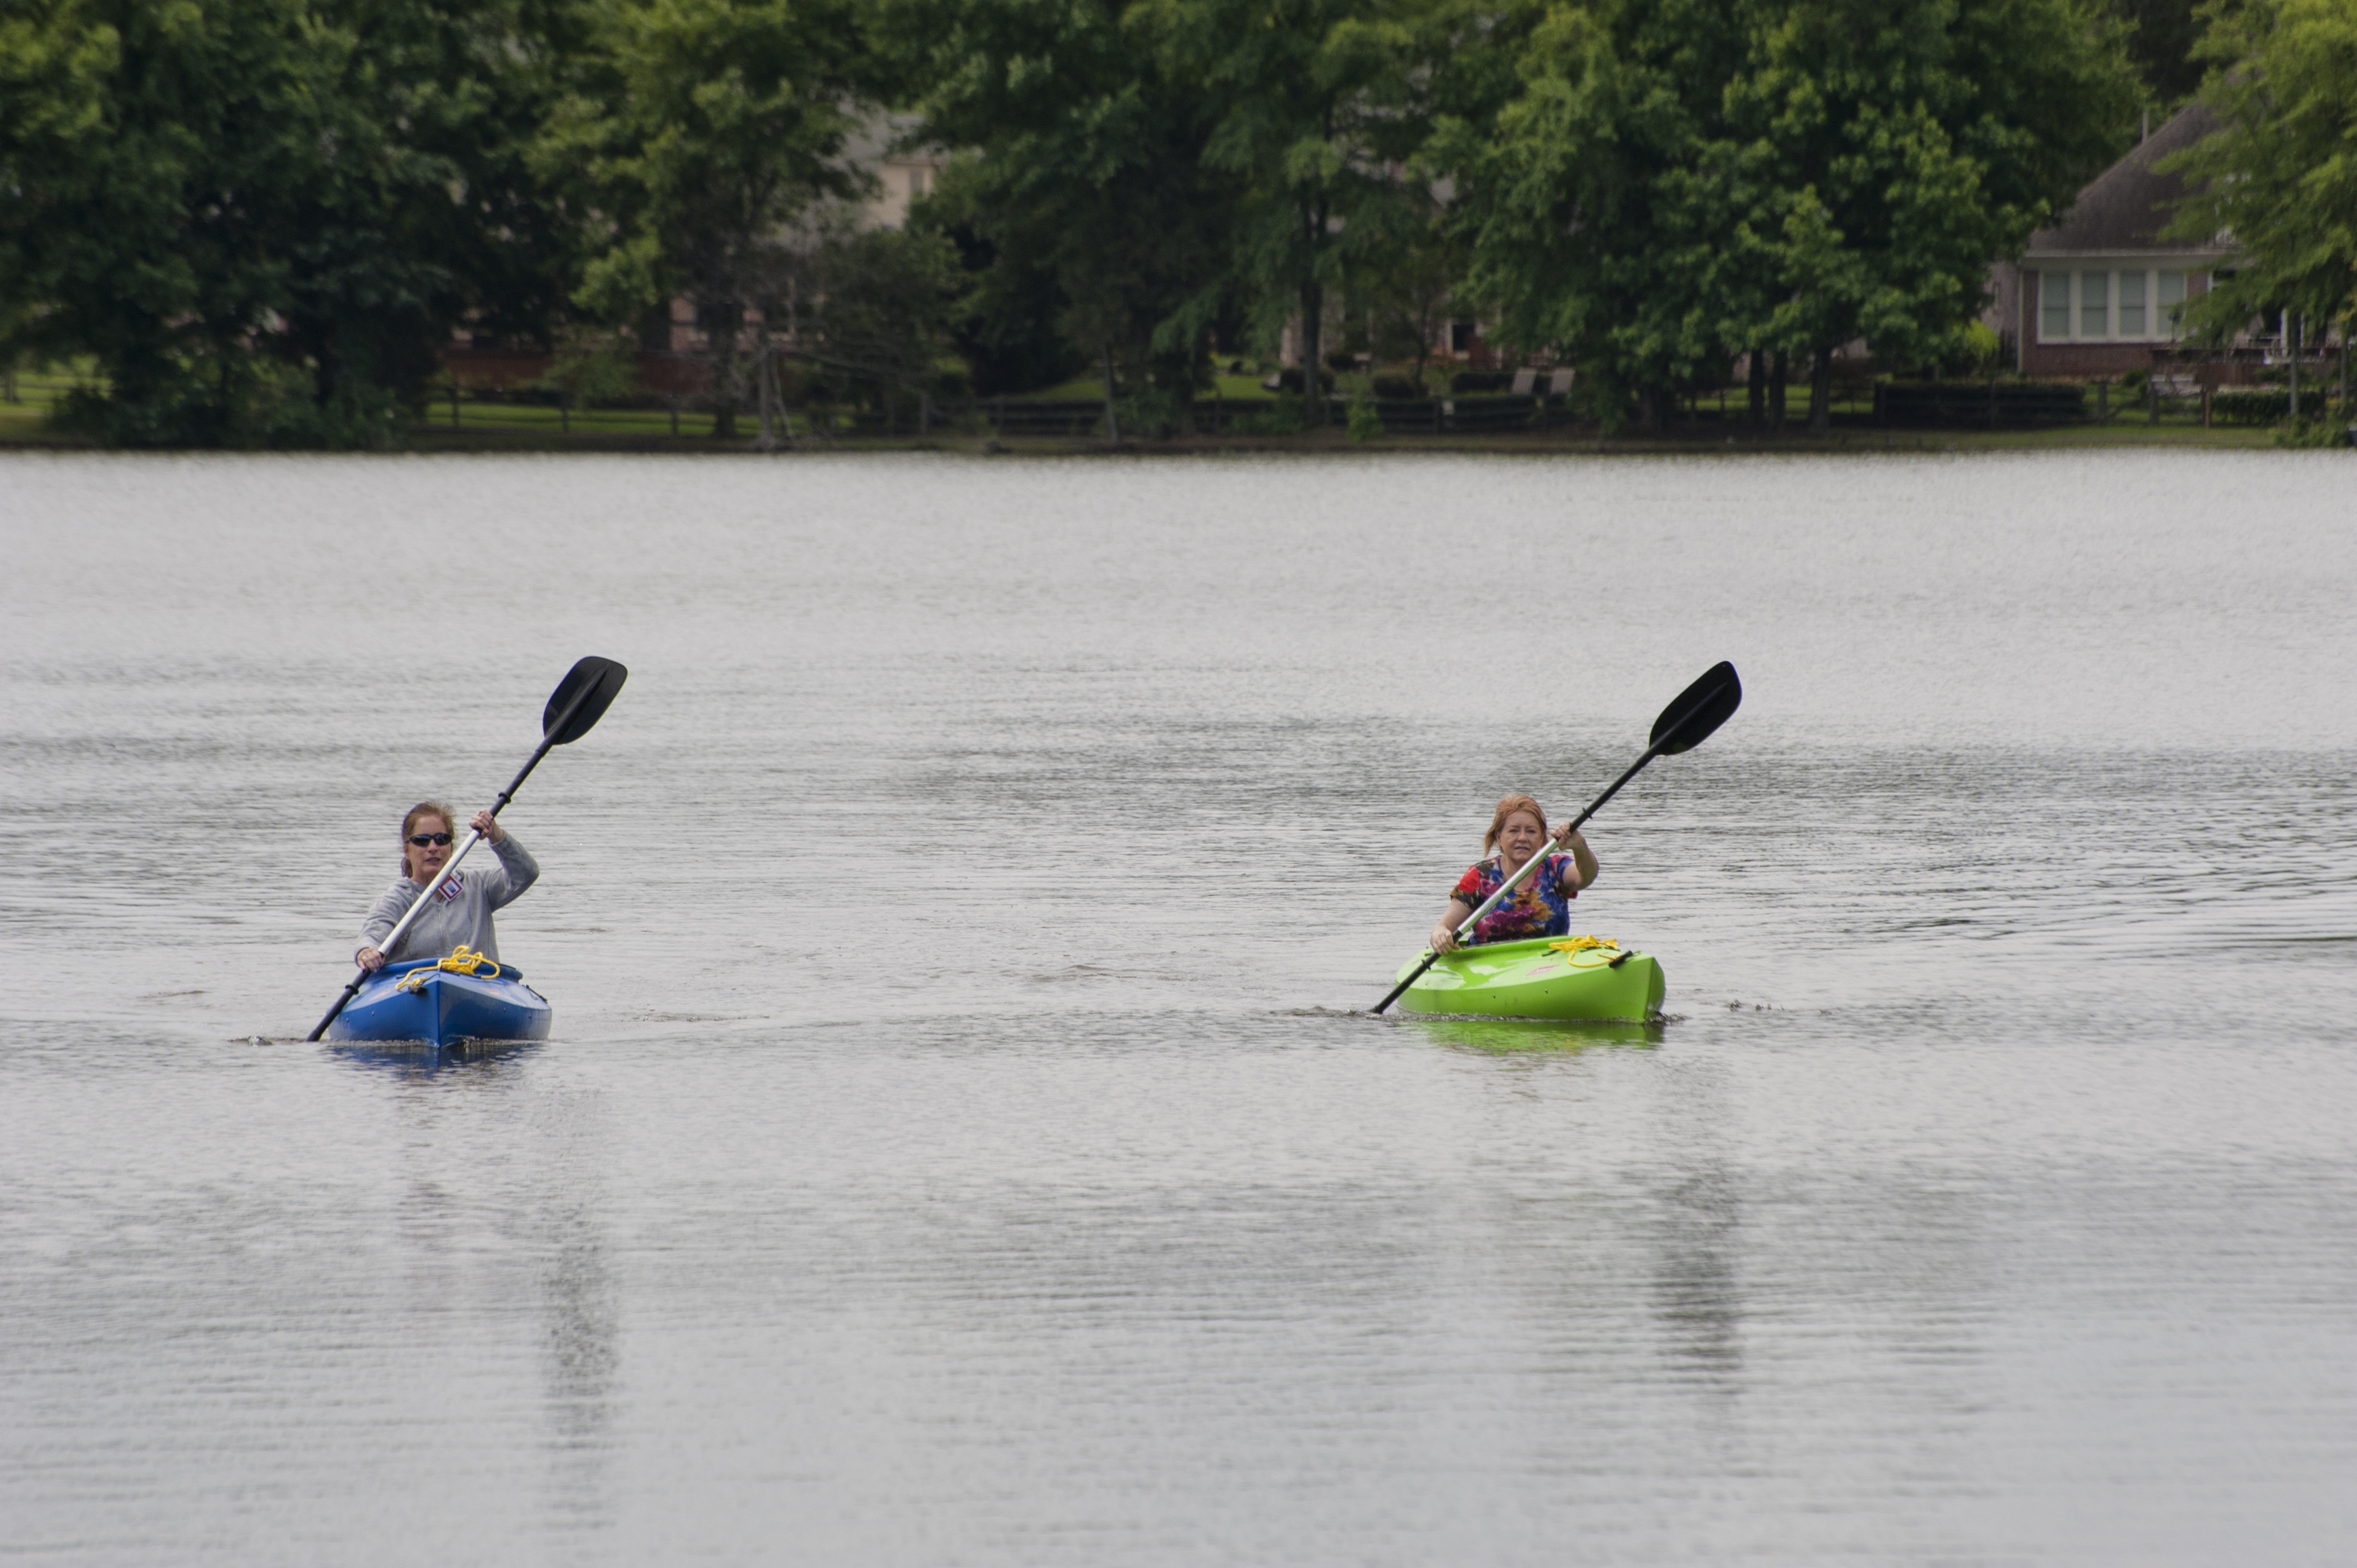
[{"x": 2157, "y": 328}]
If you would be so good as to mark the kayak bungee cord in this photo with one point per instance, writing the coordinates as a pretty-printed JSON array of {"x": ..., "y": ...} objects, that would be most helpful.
[
  {"x": 463, "y": 959},
  {"x": 1578, "y": 945}
]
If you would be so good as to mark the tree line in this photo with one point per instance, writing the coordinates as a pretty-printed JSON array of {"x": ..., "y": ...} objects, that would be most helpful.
[{"x": 262, "y": 219}]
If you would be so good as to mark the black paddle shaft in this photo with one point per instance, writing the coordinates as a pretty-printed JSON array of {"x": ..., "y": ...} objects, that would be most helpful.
[
  {"x": 1685, "y": 723},
  {"x": 579, "y": 701}
]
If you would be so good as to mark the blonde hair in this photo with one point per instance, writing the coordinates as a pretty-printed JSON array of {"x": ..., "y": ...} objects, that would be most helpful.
[
  {"x": 1507, "y": 808},
  {"x": 418, "y": 813}
]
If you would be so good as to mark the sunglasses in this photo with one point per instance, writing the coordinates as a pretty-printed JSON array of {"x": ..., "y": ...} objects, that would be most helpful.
[{"x": 422, "y": 840}]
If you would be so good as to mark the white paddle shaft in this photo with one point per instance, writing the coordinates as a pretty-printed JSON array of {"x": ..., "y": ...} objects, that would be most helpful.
[
  {"x": 474, "y": 836},
  {"x": 1494, "y": 900}
]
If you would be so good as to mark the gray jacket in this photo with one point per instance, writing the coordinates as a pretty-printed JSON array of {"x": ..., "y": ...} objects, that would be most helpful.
[{"x": 467, "y": 918}]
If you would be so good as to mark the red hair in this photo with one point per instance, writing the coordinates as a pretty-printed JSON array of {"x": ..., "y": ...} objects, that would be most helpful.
[{"x": 1507, "y": 808}]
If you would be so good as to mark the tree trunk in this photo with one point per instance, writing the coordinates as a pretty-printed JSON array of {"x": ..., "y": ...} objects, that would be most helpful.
[
  {"x": 1112, "y": 419},
  {"x": 1755, "y": 387},
  {"x": 725, "y": 323},
  {"x": 769, "y": 442},
  {"x": 1821, "y": 393},
  {"x": 1780, "y": 370},
  {"x": 2291, "y": 358},
  {"x": 1313, "y": 311}
]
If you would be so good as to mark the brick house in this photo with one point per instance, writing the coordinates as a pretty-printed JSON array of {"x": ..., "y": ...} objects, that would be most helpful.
[{"x": 2097, "y": 294}]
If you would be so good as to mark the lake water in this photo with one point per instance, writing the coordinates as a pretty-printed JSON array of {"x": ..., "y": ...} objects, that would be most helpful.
[{"x": 962, "y": 1142}]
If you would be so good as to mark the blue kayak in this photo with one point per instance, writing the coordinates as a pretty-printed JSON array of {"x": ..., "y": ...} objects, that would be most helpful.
[{"x": 425, "y": 999}]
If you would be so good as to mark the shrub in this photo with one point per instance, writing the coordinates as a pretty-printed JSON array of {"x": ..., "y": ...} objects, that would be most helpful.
[
  {"x": 2245, "y": 405},
  {"x": 1981, "y": 351},
  {"x": 1481, "y": 381},
  {"x": 1282, "y": 417},
  {"x": 255, "y": 403},
  {"x": 1159, "y": 412},
  {"x": 593, "y": 368},
  {"x": 1398, "y": 387},
  {"x": 1366, "y": 425},
  {"x": 2312, "y": 433}
]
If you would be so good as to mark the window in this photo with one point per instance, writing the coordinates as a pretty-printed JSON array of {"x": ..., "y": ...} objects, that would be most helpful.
[
  {"x": 2132, "y": 304},
  {"x": 917, "y": 181},
  {"x": 2095, "y": 305},
  {"x": 2172, "y": 302},
  {"x": 2053, "y": 306}
]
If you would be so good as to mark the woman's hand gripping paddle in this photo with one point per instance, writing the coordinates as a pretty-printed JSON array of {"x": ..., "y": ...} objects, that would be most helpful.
[
  {"x": 579, "y": 701},
  {"x": 1685, "y": 723}
]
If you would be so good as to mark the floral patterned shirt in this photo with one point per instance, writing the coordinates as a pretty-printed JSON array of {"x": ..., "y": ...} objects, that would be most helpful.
[{"x": 1540, "y": 907}]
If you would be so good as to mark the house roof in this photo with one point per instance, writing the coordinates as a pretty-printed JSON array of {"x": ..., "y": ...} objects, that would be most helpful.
[{"x": 2130, "y": 202}]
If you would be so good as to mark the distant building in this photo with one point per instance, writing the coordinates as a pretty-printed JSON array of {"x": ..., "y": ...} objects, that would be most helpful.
[
  {"x": 2101, "y": 290},
  {"x": 901, "y": 174}
]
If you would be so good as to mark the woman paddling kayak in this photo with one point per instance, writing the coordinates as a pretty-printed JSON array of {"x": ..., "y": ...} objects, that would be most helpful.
[
  {"x": 1541, "y": 905},
  {"x": 460, "y": 910}
]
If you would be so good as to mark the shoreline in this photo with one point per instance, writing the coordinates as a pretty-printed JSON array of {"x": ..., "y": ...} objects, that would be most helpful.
[{"x": 440, "y": 440}]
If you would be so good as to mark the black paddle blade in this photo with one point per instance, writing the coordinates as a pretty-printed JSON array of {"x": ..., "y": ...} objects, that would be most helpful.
[
  {"x": 1701, "y": 708},
  {"x": 581, "y": 699}
]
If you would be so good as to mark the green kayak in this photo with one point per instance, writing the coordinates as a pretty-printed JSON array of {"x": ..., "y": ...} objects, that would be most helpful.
[{"x": 1543, "y": 977}]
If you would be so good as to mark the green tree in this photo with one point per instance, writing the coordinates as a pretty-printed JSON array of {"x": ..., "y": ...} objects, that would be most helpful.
[
  {"x": 1006, "y": 328},
  {"x": 1317, "y": 107},
  {"x": 697, "y": 132},
  {"x": 1084, "y": 167},
  {"x": 2162, "y": 40},
  {"x": 1675, "y": 181},
  {"x": 1597, "y": 203},
  {"x": 2279, "y": 175},
  {"x": 261, "y": 217},
  {"x": 1410, "y": 284},
  {"x": 874, "y": 304},
  {"x": 1905, "y": 146}
]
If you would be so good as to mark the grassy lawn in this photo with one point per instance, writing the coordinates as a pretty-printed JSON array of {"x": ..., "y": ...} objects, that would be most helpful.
[
  {"x": 27, "y": 419},
  {"x": 1092, "y": 386}
]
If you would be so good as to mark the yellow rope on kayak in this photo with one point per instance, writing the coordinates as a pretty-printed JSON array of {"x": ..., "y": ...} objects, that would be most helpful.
[
  {"x": 463, "y": 959},
  {"x": 1581, "y": 944}
]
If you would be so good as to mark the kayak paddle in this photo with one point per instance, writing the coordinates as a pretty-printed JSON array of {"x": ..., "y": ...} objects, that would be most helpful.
[
  {"x": 1685, "y": 723},
  {"x": 579, "y": 701}
]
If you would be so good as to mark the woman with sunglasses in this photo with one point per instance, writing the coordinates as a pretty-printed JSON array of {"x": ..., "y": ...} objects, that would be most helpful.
[{"x": 460, "y": 910}]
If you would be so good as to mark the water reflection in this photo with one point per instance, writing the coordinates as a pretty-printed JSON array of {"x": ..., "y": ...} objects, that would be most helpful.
[
  {"x": 1037, "y": 1216},
  {"x": 417, "y": 1059},
  {"x": 581, "y": 1356},
  {"x": 529, "y": 1189},
  {"x": 1698, "y": 1286},
  {"x": 1507, "y": 1035},
  {"x": 1697, "y": 1231}
]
